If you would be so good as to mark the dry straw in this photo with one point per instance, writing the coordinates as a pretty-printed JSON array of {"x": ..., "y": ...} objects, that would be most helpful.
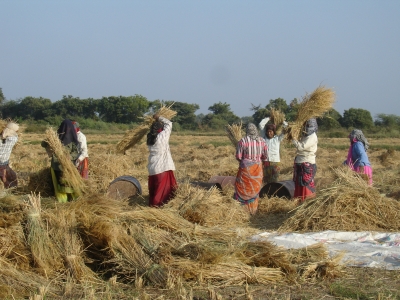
[
  {"x": 349, "y": 205},
  {"x": 234, "y": 133},
  {"x": 70, "y": 176},
  {"x": 313, "y": 105},
  {"x": 277, "y": 117},
  {"x": 134, "y": 136}
]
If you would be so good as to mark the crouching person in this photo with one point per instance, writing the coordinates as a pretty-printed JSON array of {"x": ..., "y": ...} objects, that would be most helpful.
[{"x": 9, "y": 138}]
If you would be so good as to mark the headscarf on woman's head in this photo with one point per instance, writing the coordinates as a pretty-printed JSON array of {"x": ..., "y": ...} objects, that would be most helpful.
[
  {"x": 76, "y": 125},
  {"x": 252, "y": 131},
  {"x": 67, "y": 133},
  {"x": 155, "y": 129},
  {"x": 310, "y": 127},
  {"x": 358, "y": 135},
  {"x": 270, "y": 127}
]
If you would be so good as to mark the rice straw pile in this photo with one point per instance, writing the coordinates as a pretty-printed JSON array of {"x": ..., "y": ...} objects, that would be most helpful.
[
  {"x": 349, "y": 205},
  {"x": 277, "y": 117},
  {"x": 134, "y": 136},
  {"x": 70, "y": 176},
  {"x": 313, "y": 105},
  {"x": 234, "y": 133}
]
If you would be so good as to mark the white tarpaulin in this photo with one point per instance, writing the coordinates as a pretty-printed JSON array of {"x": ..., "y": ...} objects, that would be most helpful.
[{"x": 362, "y": 249}]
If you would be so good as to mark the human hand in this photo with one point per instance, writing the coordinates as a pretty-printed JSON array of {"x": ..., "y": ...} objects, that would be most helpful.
[{"x": 362, "y": 169}]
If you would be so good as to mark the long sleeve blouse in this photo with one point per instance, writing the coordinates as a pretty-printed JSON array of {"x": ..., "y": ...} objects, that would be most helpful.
[
  {"x": 306, "y": 149},
  {"x": 359, "y": 155},
  {"x": 82, "y": 146},
  {"x": 160, "y": 159}
]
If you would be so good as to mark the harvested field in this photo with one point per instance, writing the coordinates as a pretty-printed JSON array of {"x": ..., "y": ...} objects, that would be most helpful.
[{"x": 197, "y": 246}]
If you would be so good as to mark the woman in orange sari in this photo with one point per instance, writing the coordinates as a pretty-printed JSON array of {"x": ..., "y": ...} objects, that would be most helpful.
[{"x": 251, "y": 151}]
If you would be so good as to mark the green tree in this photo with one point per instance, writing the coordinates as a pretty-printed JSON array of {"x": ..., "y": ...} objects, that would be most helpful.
[
  {"x": 34, "y": 108},
  {"x": 2, "y": 98},
  {"x": 278, "y": 104},
  {"x": 221, "y": 116},
  {"x": 10, "y": 109},
  {"x": 388, "y": 121},
  {"x": 330, "y": 120},
  {"x": 185, "y": 113},
  {"x": 357, "y": 118}
]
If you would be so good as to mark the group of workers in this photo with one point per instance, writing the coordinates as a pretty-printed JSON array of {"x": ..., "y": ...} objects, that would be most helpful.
[{"x": 258, "y": 154}]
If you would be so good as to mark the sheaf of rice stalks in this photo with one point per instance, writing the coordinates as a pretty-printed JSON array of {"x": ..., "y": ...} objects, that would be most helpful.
[
  {"x": 313, "y": 105},
  {"x": 134, "y": 136},
  {"x": 234, "y": 133}
]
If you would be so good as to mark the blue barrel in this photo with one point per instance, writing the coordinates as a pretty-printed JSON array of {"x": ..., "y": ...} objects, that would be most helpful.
[{"x": 124, "y": 187}]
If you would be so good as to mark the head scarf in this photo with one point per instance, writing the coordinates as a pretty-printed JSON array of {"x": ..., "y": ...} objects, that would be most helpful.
[
  {"x": 76, "y": 125},
  {"x": 310, "y": 127},
  {"x": 270, "y": 127},
  {"x": 155, "y": 129},
  {"x": 252, "y": 131},
  {"x": 357, "y": 135},
  {"x": 67, "y": 133}
]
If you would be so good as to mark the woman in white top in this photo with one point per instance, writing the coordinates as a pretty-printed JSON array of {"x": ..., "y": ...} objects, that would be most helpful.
[
  {"x": 82, "y": 162},
  {"x": 304, "y": 163},
  {"x": 162, "y": 182},
  {"x": 272, "y": 166}
]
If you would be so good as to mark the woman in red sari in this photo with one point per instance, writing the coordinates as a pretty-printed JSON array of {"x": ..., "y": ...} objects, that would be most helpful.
[
  {"x": 162, "y": 183},
  {"x": 251, "y": 151}
]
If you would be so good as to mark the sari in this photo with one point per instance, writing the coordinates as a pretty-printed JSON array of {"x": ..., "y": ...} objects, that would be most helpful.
[
  {"x": 83, "y": 168},
  {"x": 161, "y": 188},
  {"x": 303, "y": 177},
  {"x": 271, "y": 171},
  {"x": 248, "y": 185}
]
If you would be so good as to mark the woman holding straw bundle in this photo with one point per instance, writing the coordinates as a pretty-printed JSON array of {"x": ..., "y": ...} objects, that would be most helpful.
[
  {"x": 304, "y": 163},
  {"x": 82, "y": 162},
  {"x": 251, "y": 151},
  {"x": 9, "y": 137},
  {"x": 162, "y": 182},
  {"x": 69, "y": 140},
  {"x": 273, "y": 141},
  {"x": 357, "y": 158}
]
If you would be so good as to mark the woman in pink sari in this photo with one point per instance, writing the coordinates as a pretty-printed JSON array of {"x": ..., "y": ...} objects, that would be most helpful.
[{"x": 357, "y": 158}]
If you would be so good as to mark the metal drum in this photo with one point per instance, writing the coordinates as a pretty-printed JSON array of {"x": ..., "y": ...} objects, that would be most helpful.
[
  {"x": 223, "y": 181},
  {"x": 281, "y": 189},
  {"x": 124, "y": 187}
]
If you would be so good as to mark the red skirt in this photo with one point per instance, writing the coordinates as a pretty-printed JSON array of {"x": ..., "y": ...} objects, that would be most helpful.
[
  {"x": 161, "y": 188},
  {"x": 83, "y": 168}
]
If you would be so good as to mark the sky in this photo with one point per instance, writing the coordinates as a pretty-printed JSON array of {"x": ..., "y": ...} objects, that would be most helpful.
[{"x": 203, "y": 51}]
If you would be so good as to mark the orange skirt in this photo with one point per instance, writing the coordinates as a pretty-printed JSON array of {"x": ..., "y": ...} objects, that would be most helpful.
[{"x": 248, "y": 185}]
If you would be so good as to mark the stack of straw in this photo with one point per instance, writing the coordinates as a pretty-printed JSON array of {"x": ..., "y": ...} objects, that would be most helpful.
[
  {"x": 313, "y": 105},
  {"x": 234, "y": 133},
  {"x": 134, "y": 136},
  {"x": 349, "y": 205},
  {"x": 71, "y": 176}
]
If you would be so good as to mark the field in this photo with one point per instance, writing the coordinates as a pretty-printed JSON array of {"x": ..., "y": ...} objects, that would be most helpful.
[{"x": 199, "y": 239}]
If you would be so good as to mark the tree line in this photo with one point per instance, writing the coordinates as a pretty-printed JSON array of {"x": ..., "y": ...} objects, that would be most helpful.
[{"x": 130, "y": 109}]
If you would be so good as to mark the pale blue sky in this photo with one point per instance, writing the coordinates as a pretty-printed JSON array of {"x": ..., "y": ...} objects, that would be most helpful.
[{"x": 203, "y": 51}]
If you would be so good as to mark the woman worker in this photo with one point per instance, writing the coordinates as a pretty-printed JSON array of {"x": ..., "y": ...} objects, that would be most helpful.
[
  {"x": 357, "y": 158},
  {"x": 304, "y": 163},
  {"x": 273, "y": 141},
  {"x": 82, "y": 162},
  {"x": 251, "y": 151},
  {"x": 162, "y": 183},
  {"x": 67, "y": 135}
]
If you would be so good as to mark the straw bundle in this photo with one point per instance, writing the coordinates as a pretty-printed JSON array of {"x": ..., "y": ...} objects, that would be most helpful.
[
  {"x": 349, "y": 205},
  {"x": 224, "y": 274},
  {"x": 277, "y": 118},
  {"x": 71, "y": 176},
  {"x": 313, "y": 105},
  {"x": 134, "y": 136},
  {"x": 44, "y": 253},
  {"x": 234, "y": 133},
  {"x": 207, "y": 207},
  {"x": 327, "y": 269}
]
